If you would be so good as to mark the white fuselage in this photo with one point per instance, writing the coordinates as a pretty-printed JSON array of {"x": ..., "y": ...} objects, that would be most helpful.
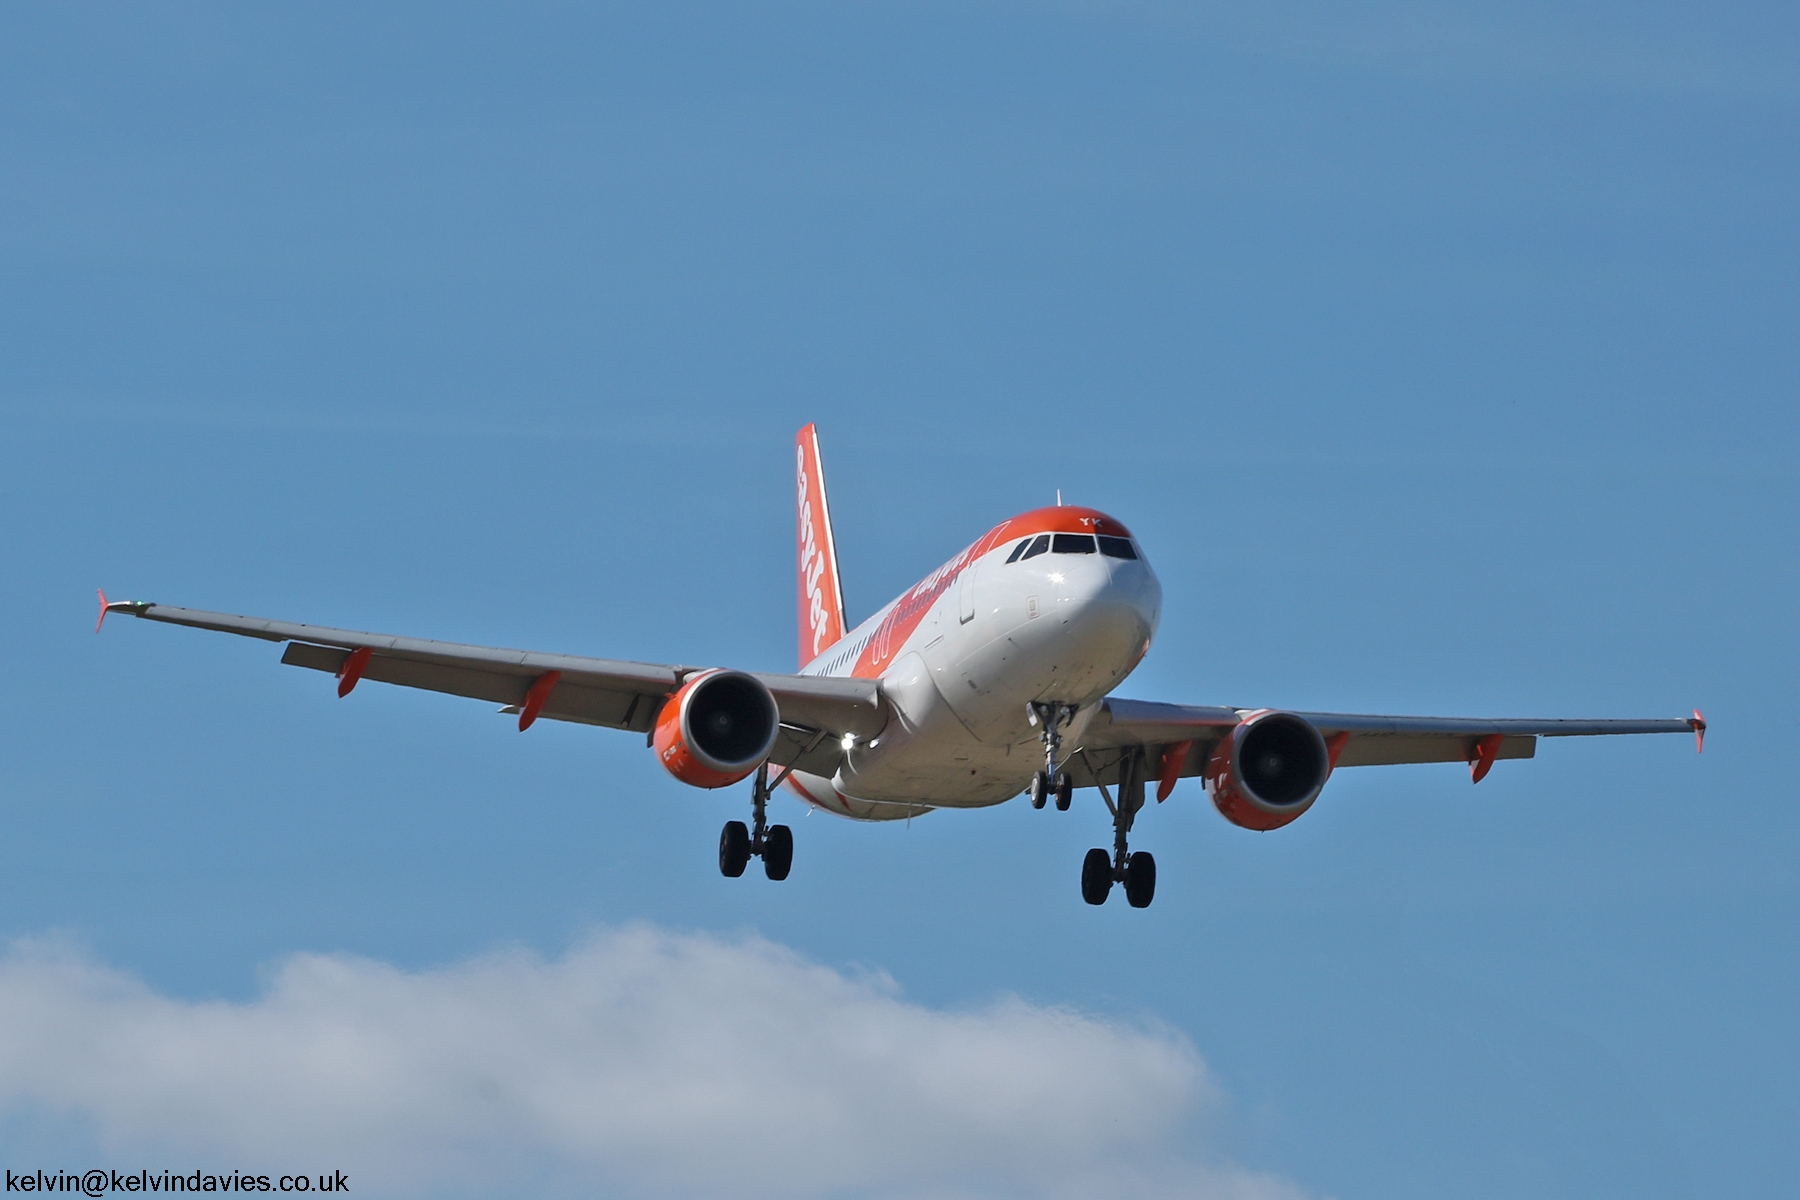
[{"x": 995, "y": 638}]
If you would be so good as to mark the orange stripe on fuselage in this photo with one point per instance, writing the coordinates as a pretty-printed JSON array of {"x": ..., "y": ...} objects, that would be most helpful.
[{"x": 890, "y": 637}]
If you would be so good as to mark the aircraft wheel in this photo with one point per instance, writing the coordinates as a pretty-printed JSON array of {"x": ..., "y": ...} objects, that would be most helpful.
[
  {"x": 1140, "y": 880},
  {"x": 1040, "y": 789},
  {"x": 1065, "y": 791},
  {"x": 778, "y": 852},
  {"x": 1096, "y": 876},
  {"x": 734, "y": 849}
]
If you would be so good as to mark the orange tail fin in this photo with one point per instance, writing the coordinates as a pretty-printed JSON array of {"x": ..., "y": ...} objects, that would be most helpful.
[{"x": 821, "y": 599}]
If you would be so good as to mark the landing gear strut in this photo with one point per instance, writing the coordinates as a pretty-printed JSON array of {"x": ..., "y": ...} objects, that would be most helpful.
[
  {"x": 1099, "y": 870},
  {"x": 774, "y": 844},
  {"x": 1050, "y": 717}
]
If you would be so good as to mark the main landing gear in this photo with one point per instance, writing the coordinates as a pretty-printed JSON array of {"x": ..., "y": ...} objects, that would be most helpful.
[
  {"x": 774, "y": 844},
  {"x": 1050, "y": 718},
  {"x": 1100, "y": 870}
]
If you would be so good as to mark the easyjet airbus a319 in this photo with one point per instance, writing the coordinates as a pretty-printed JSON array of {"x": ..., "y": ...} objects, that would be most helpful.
[{"x": 990, "y": 678}]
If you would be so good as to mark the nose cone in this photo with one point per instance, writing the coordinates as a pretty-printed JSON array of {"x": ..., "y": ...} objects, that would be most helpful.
[
  {"x": 1066, "y": 623},
  {"x": 1131, "y": 584},
  {"x": 1108, "y": 590},
  {"x": 1106, "y": 612}
]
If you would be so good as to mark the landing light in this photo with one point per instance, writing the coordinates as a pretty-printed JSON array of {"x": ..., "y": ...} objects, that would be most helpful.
[{"x": 849, "y": 740}]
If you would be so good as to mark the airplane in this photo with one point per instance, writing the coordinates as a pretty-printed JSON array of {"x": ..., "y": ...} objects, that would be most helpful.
[{"x": 990, "y": 678}]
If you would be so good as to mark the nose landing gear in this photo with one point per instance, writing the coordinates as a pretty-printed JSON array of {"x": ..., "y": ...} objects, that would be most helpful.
[
  {"x": 1099, "y": 870},
  {"x": 774, "y": 844},
  {"x": 1044, "y": 785},
  {"x": 1050, "y": 717}
]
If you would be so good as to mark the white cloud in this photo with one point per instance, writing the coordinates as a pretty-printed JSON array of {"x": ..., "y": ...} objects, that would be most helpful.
[{"x": 641, "y": 1062}]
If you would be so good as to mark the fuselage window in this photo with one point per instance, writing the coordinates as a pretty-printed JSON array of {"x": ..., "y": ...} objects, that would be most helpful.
[
  {"x": 1018, "y": 550},
  {"x": 1117, "y": 547},
  {"x": 1073, "y": 543},
  {"x": 1038, "y": 547}
]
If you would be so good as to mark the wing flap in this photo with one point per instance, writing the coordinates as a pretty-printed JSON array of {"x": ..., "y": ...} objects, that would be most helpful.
[
  {"x": 814, "y": 751},
  {"x": 526, "y": 664},
  {"x": 1390, "y": 749},
  {"x": 572, "y": 700},
  {"x": 614, "y": 693},
  {"x": 1470, "y": 727},
  {"x": 838, "y": 703},
  {"x": 1140, "y": 722},
  {"x": 1372, "y": 740}
]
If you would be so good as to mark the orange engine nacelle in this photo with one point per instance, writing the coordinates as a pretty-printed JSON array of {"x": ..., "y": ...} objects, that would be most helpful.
[
  {"x": 1268, "y": 770},
  {"x": 716, "y": 729}
]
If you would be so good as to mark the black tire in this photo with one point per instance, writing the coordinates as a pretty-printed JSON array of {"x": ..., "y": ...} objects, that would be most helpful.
[
  {"x": 1096, "y": 876},
  {"x": 734, "y": 849},
  {"x": 1040, "y": 789},
  {"x": 778, "y": 852},
  {"x": 1065, "y": 791},
  {"x": 1140, "y": 880}
]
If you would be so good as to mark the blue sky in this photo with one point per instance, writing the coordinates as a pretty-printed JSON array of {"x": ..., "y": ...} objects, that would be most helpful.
[{"x": 1442, "y": 358}]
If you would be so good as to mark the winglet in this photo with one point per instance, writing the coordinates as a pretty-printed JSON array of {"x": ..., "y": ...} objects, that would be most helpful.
[
  {"x": 1698, "y": 725},
  {"x": 134, "y": 607}
]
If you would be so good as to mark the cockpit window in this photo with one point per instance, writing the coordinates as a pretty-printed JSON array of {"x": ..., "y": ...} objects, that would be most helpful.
[
  {"x": 1073, "y": 543},
  {"x": 1117, "y": 547},
  {"x": 1038, "y": 547},
  {"x": 1018, "y": 550}
]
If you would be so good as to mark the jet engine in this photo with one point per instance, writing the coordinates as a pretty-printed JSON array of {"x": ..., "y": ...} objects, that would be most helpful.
[
  {"x": 716, "y": 729},
  {"x": 1267, "y": 771}
]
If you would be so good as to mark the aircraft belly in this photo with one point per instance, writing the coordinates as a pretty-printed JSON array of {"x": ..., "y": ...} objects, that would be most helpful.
[
  {"x": 928, "y": 756},
  {"x": 905, "y": 785},
  {"x": 965, "y": 774},
  {"x": 823, "y": 795}
]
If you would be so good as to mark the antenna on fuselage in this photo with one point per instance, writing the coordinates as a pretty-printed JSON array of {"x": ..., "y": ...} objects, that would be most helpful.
[{"x": 1059, "y": 497}]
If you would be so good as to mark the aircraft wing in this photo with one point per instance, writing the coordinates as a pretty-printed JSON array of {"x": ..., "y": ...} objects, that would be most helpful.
[
  {"x": 815, "y": 712},
  {"x": 1191, "y": 731}
]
